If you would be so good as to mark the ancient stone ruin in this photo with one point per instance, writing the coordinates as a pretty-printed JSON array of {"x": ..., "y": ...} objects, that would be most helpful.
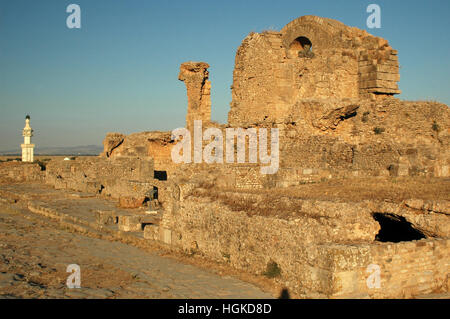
[
  {"x": 330, "y": 90},
  {"x": 310, "y": 58},
  {"x": 195, "y": 76}
]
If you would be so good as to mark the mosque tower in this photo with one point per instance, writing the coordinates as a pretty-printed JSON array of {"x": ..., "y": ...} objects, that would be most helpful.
[{"x": 27, "y": 147}]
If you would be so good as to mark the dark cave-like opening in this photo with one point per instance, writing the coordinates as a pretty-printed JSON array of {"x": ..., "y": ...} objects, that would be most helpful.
[
  {"x": 160, "y": 175},
  {"x": 395, "y": 229}
]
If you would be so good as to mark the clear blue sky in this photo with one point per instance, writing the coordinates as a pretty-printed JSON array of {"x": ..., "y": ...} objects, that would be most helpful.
[{"x": 118, "y": 73}]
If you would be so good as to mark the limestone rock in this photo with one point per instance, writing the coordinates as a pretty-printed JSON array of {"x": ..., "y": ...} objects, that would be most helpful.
[
  {"x": 195, "y": 76},
  {"x": 111, "y": 142},
  {"x": 439, "y": 206},
  {"x": 331, "y": 119},
  {"x": 143, "y": 144},
  {"x": 131, "y": 202},
  {"x": 106, "y": 217}
]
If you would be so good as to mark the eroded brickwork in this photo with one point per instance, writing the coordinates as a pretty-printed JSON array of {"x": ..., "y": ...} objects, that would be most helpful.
[
  {"x": 21, "y": 172},
  {"x": 195, "y": 76},
  {"x": 124, "y": 176},
  {"x": 310, "y": 58}
]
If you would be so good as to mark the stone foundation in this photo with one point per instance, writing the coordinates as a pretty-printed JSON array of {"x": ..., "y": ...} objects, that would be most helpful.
[
  {"x": 323, "y": 252},
  {"x": 21, "y": 172}
]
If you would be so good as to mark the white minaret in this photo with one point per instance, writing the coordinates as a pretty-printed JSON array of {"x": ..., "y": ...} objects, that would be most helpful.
[{"x": 27, "y": 147}]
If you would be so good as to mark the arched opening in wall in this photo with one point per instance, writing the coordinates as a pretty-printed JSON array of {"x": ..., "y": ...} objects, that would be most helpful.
[
  {"x": 300, "y": 47},
  {"x": 395, "y": 229}
]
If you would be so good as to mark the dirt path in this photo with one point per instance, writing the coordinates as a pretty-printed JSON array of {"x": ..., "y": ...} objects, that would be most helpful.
[{"x": 35, "y": 253}]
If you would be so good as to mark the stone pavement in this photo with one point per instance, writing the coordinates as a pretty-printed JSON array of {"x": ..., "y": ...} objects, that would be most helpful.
[{"x": 35, "y": 253}]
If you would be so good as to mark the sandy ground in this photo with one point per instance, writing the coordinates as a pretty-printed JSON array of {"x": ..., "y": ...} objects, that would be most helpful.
[{"x": 35, "y": 253}]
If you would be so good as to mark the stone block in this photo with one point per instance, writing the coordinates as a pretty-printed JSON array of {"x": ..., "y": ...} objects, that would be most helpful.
[
  {"x": 403, "y": 170},
  {"x": 393, "y": 57},
  {"x": 442, "y": 171},
  {"x": 391, "y": 63},
  {"x": 131, "y": 202},
  {"x": 384, "y": 90},
  {"x": 137, "y": 222},
  {"x": 166, "y": 236},
  {"x": 367, "y": 68},
  {"x": 60, "y": 184},
  {"x": 387, "y": 68},
  {"x": 378, "y": 84},
  {"x": 93, "y": 187},
  {"x": 130, "y": 223},
  {"x": 345, "y": 282},
  {"x": 106, "y": 217},
  {"x": 151, "y": 232}
]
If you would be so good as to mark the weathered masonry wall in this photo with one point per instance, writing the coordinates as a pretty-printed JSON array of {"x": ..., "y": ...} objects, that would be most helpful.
[
  {"x": 21, "y": 172},
  {"x": 378, "y": 72},
  {"x": 407, "y": 269},
  {"x": 312, "y": 249},
  {"x": 195, "y": 76},
  {"x": 123, "y": 176},
  {"x": 250, "y": 243},
  {"x": 310, "y": 58}
]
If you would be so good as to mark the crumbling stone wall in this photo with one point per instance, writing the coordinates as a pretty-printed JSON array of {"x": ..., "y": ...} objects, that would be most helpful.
[
  {"x": 311, "y": 81},
  {"x": 380, "y": 138},
  {"x": 124, "y": 176},
  {"x": 156, "y": 145},
  {"x": 378, "y": 72},
  {"x": 323, "y": 251},
  {"x": 111, "y": 142},
  {"x": 195, "y": 76},
  {"x": 407, "y": 269},
  {"x": 21, "y": 172},
  {"x": 310, "y": 58}
]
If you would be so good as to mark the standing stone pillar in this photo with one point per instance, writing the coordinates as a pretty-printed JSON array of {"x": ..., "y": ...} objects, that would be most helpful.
[
  {"x": 27, "y": 147},
  {"x": 195, "y": 76}
]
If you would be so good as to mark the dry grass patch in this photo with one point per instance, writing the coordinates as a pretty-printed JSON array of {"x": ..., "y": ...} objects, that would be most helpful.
[{"x": 286, "y": 202}]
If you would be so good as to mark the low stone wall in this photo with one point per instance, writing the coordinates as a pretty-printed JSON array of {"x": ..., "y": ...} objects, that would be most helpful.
[
  {"x": 324, "y": 251},
  {"x": 122, "y": 176},
  {"x": 21, "y": 172},
  {"x": 406, "y": 269}
]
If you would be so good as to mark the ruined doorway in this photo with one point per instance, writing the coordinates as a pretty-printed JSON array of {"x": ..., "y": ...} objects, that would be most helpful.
[{"x": 395, "y": 229}]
